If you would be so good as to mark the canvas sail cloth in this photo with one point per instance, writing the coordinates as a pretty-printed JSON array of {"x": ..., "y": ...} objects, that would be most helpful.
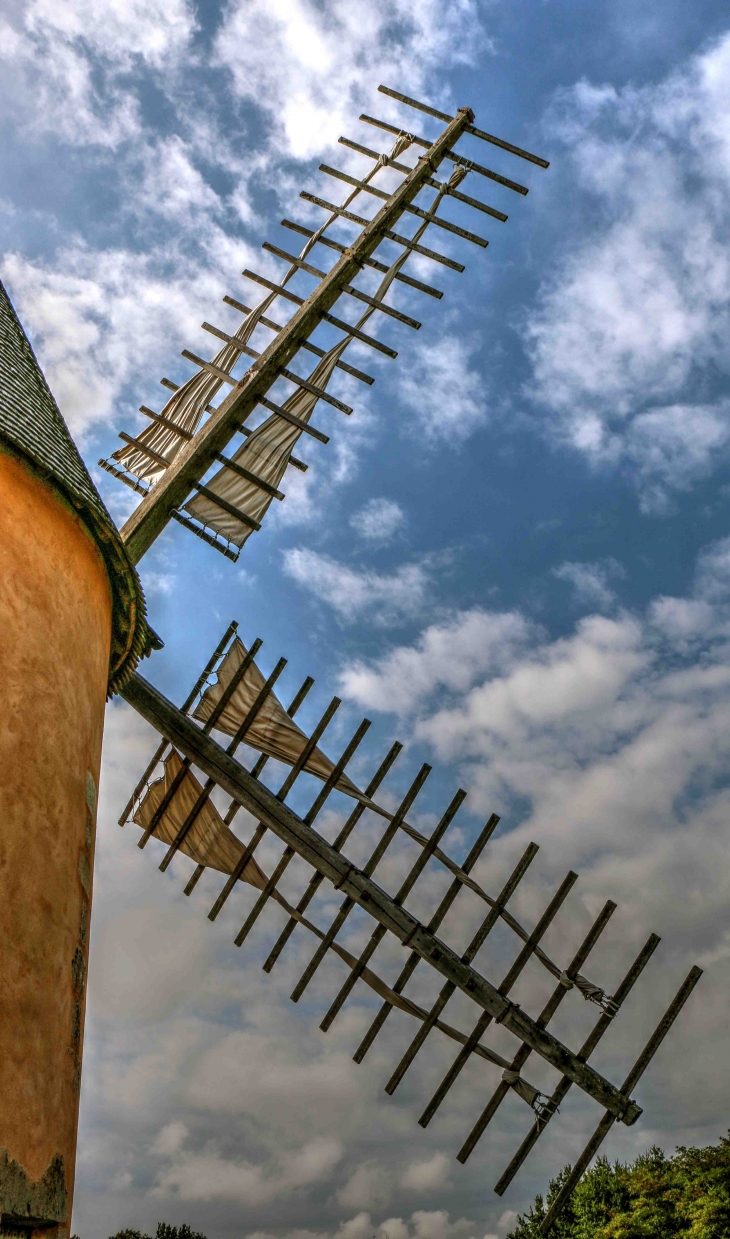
[
  {"x": 209, "y": 841},
  {"x": 266, "y": 453},
  {"x": 185, "y": 408},
  {"x": 272, "y": 731}
]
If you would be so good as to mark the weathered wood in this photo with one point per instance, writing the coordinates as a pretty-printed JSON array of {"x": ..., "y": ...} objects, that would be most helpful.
[
  {"x": 630, "y": 1082},
  {"x": 306, "y": 344},
  {"x": 234, "y": 779},
  {"x": 212, "y": 539},
  {"x": 414, "y": 959},
  {"x": 417, "y": 140},
  {"x": 194, "y": 458},
  {"x": 348, "y": 288},
  {"x": 240, "y": 735},
  {"x": 589, "y": 1045},
  {"x": 207, "y": 669},
  {"x": 404, "y": 890},
  {"x": 434, "y": 184},
  {"x": 122, "y": 477},
  {"x": 349, "y": 902},
  {"x": 474, "y": 946},
  {"x": 367, "y": 262},
  {"x": 414, "y": 210},
  {"x": 414, "y": 246},
  {"x": 324, "y": 315},
  {"x": 507, "y": 984},
  {"x": 317, "y": 877},
  {"x": 250, "y": 477},
  {"x": 478, "y": 133},
  {"x": 230, "y": 508},
  {"x": 543, "y": 1019},
  {"x": 305, "y": 427},
  {"x": 164, "y": 421}
]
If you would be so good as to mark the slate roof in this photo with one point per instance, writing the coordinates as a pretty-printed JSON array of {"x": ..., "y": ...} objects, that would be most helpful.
[{"x": 32, "y": 426}]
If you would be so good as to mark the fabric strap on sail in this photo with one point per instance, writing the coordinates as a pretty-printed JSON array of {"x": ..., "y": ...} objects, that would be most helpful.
[
  {"x": 272, "y": 731},
  {"x": 209, "y": 841}
]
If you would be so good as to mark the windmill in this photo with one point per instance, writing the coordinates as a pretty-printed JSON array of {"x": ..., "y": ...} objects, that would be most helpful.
[{"x": 178, "y": 463}]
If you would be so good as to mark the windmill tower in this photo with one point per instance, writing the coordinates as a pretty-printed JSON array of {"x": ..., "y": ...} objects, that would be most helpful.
[{"x": 72, "y": 616}]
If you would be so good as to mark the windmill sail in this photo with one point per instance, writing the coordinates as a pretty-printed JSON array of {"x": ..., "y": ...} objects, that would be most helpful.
[
  {"x": 272, "y": 731},
  {"x": 208, "y": 841}
]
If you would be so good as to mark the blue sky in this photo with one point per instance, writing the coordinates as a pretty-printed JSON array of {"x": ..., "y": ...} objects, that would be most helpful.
[{"x": 514, "y": 556}]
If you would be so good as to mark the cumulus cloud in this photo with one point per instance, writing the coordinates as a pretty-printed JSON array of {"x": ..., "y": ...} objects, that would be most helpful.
[
  {"x": 378, "y": 521},
  {"x": 312, "y": 66},
  {"x": 448, "y": 655},
  {"x": 634, "y": 321},
  {"x": 445, "y": 392},
  {"x": 384, "y": 597}
]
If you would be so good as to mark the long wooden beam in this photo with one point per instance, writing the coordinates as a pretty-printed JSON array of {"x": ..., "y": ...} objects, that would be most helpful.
[
  {"x": 239, "y": 783},
  {"x": 149, "y": 519}
]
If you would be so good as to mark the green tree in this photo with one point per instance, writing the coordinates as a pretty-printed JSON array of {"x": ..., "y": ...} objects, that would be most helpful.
[{"x": 654, "y": 1197}]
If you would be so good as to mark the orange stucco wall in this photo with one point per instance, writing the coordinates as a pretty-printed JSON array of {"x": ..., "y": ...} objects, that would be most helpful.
[{"x": 55, "y": 626}]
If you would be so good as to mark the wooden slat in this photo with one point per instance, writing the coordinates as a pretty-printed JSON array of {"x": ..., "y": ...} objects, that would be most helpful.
[
  {"x": 367, "y": 262},
  {"x": 414, "y": 210},
  {"x": 305, "y": 427},
  {"x": 231, "y": 776},
  {"x": 478, "y": 133},
  {"x": 434, "y": 184},
  {"x": 325, "y": 316},
  {"x": 414, "y": 959},
  {"x": 289, "y": 852},
  {"x": 207, "y": 727},
  {"x": 122, "y": 477},
  {"x": 547, "y": 1013},
  {"x": 317, "y": 878},
  {"x": 164, "y": 421},
  {"x": 146, "y": 451},
  {"x": 369, "y": 868},
  {"x": 249, "y": 476},
  {"x": 306, "y": 344},
  {"x": 508, "y": 983},
  {"x": 390, "y": 236},
  {"x": 204, "y": 795},
  {"x": 632, "y": 1079},
  {"x": 459, "y": 159},
  {"x": 217, "y": 653},
  {"x": 212, "y": 539},
  {"x": 474, "y": 946},
  {"x": 348, "y": 288},
  {"x": 468, "y": 163},
  {"x": 589, "y": 1045},
  {"x": 230, "y": 508},
  {"x": 406, "y": 887}
]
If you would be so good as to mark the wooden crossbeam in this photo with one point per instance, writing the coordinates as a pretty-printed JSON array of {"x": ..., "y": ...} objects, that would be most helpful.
[
  {"x": 306, "y": 344},
  {"x": 414, "y": 210},
  {"x": 208, "y": 756},
  {"x": 353, "y": 292},
  {"x": 452, "y": 155},
  {"x": 194, "y": 458},
  {"x": 414, "y": 959},
  {"x": 401, "y": 167},
  {"x": 330, "y": 243}
]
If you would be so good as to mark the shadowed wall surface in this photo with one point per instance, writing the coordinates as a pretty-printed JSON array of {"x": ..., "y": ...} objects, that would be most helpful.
[{"x": 55, "y": 616}]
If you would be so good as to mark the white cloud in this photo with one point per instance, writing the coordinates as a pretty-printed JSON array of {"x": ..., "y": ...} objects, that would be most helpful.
[
  {"x": 446, "y": 395},
  {"x": 378, "y": 521},
  {"x": 170, "y": 1139},
  {"x": 427, "y": 1176},
  {"x": 64, "y": 63},
  {"x": 640, "y": 306},
  {"x": 208, "y": 1176},
  {"x": 448, "y": 655},
  {"x": 370, "y": 1185},
  {"x": 590, "y": 581},
  {"x": 312, "y": 66},
  {"x": 383, "y": 597}
]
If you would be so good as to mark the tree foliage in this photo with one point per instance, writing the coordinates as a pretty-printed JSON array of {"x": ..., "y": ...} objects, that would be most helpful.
[
  {"x": 163, "y": 1232},
  {"x": 655, "y": 1197}
]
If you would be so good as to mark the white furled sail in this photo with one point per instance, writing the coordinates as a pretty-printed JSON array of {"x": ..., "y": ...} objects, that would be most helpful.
[
  {"x": 209, "y": 841},
  {"x": 272, "y": 731}
]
